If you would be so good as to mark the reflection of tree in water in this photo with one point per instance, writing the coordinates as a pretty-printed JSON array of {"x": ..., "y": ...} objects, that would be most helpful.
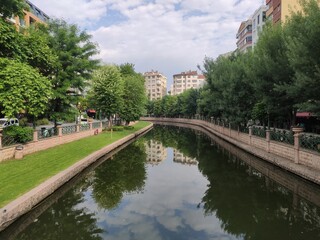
[
  {"x": 120, "y": 175},
  {"x": 64, "y": 220},
  {"x": 251, "y": 206}
]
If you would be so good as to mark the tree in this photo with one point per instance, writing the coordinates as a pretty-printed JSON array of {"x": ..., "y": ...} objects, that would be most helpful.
[
  {"x": 107, "y": 90},
  {"x": 9, "y": 8},
  {"x": 31, "y": 48},
  {"x": 134, "y": 93},
  {"x": 302, "y": 29},
  {"x": 74, "y": 50},
  {"x": 22, "y": 89},
  {"x": 273, "y": 76}
]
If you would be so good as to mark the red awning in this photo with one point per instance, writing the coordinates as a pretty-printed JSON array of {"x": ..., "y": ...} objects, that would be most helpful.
[
  {"x": 91, "y": 111},
  {"x": 303, "y": 114}
]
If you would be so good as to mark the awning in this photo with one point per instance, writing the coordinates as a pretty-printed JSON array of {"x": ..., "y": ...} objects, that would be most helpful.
[
  {"x": 303, "y": 114},
  {"x": 91, "y": 111}
]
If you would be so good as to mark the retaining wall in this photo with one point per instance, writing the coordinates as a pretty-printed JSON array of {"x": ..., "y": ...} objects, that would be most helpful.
[{"x": 299, "y": 161}]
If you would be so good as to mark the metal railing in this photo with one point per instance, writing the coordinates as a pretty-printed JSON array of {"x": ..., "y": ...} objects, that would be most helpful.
[
  {"x": 259, "y": 132},
  {"x": 69, "y": 129},
  {"x": 47, "y": 133},
  {"x": 84, "y": 127},
  {"x": 282, "y": 136},
  {"x": 95, "y": 125},
  {"x": 310, "y": 141}
]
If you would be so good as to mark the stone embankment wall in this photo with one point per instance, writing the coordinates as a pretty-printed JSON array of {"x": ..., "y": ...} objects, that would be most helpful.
[
  {"x": 11, "y": 152},
  {"x": 26, "y": 202},
  {"x": 293, "y": 158}
]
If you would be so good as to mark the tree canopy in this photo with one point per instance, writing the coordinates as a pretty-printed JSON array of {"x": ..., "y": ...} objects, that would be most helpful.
[
  {"x": 9, "y": 8},
  {"x": 29, "y": 92}
]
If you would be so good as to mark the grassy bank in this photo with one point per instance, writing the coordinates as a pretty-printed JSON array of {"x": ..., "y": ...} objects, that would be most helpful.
[{"x": 19, "y": 176}]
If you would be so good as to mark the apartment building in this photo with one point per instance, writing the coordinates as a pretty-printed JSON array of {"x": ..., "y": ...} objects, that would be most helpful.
[
  {"x": 244, "y": 36},
  {"x": 156, "y": 85},
  {"x": 32, "y": 16},
  {"x": 155, "y": 151},
  {"x": 186, "y": 80},
  {"x": 258, "y": 20},
  {"x": 179, "y": 157},
  {"x": 279, "y": 10}
]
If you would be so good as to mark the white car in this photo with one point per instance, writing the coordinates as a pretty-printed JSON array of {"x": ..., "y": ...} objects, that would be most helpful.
[{"x": 5, "y": 122}]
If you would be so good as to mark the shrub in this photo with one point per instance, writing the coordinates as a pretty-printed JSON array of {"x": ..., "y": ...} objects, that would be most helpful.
[
  {"x": 19, "y": 134},
  {"x": 43, "y": 121},
  {"x": 23, "y": 122},
  {"x": 116, "y": 128},
  {"x": 128, "y": 127}
]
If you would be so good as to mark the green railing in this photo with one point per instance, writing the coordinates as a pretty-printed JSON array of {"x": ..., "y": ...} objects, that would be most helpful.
[
  {"x": 69, "y": 129},
  {"x": 47, "y": 133},
  {"x": 282, "y": 136},
  {"x": 310, "y": 141},
  {"x": 259, "y": 132}
]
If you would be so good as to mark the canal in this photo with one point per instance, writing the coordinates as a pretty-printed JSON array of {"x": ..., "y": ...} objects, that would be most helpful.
[{"x": 177, "y": 183}]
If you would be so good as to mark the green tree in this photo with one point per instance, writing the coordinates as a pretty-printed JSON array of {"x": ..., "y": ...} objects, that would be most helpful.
[
  {"x": 74, "y": 50},
  {"x": 134, "y": 93},
  {"x": 107, "y": 90},
  {"x": 9, "y": 8},
  {"x": 302, "y": 30},
  {"x": 22, "y": 89},
  {"x": 273, "y": 76},
  {"x": 31, "y": 48}
]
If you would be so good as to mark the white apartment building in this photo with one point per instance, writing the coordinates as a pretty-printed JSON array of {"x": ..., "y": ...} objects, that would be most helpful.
[
  {"x": 179, "y": 157},
  {"x": 156, "y": 85},
  {"x": 258, "y": 20},
  {"x": 186, "y": 80},
  {"x": 156, "y": 152}
]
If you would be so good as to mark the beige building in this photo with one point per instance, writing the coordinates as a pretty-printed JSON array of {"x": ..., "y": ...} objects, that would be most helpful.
[
  {"x": 179, "y": 157},
  {"x": 156, "y": 85},
  {"x": 186, "y": 80},
  {"x": 156, "y": 152},
  {"x": 244, "y": 36},
  {"x": 279, "y": 10},
  {"x": 32, "y": 16}
]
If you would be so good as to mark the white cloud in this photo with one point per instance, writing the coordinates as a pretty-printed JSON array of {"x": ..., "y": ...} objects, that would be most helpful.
[{"x": 165, "y": 35}]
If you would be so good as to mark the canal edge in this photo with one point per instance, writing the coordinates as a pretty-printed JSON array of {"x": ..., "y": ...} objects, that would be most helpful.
[{"x": 26, "y": 202}]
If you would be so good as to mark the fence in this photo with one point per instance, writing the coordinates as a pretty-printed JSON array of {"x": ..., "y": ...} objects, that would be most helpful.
[
  {"x": 46, "y": 138},
  {"x": 296, "y": 146}
]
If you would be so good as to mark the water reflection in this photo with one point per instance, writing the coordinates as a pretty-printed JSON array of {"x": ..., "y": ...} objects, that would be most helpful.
[{"x": 218, "y": 192}]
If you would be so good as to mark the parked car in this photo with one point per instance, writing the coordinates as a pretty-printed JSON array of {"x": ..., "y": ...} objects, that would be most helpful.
[{"x": 5, "y": 122}]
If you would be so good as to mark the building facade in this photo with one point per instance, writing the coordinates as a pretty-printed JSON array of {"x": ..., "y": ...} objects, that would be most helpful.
[
  {"x": 279, "y": 10},
  {"x": 186, "y": 80},
  {"x": 258, "y": 20},
  {"x": 244, "y": 36},
  {"x": 156, "y": 85},
  {"x": 179, "y": 157},
  {"x": 32, "y": 16},
  {"x": 156, "y": 152}
]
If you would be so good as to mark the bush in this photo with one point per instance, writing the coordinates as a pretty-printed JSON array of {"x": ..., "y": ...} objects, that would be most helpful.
[
  {"x": 43, "y": 121},
  {"x": 19, "y": 134},
  {"x": 23, "y": 122},
  {"x": 116, "y": 128},
  {"x": 128, "y": 127}
]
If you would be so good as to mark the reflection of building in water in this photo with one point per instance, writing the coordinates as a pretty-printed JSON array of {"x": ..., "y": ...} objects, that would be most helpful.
[
  {"x": 156, "y": 152},
  {"x": 178, "y": 157}
]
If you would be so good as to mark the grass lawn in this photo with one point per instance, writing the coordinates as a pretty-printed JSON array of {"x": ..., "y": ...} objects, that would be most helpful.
[{"x": 19, "y": 176}]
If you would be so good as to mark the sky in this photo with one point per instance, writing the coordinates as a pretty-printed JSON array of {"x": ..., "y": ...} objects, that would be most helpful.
[{"x": 169, "y": 36}]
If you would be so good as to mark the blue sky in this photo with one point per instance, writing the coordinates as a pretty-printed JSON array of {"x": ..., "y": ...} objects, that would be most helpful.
[{"x": 170, "y": 36}]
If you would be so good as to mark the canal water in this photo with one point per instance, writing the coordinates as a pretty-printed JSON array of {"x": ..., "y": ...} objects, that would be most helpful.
[{"x": 178, "y": 183}]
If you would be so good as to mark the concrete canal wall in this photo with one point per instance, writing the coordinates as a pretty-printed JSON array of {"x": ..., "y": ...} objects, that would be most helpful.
[
  {"x": 26, "y": 202},
  {"x": 301, "y": 162}
]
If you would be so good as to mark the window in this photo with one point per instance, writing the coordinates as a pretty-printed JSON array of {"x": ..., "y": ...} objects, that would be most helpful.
[{"x": 258, "y": 19}]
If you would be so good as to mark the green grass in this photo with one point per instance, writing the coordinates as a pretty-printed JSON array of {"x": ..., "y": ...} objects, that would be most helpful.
[{"x": 19, "y": 176}]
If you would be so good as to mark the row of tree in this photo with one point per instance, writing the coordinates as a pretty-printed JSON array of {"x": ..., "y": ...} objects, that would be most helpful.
[
  {"x": 44, "y": 70},
  {"x": 281, "y": 76}
]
